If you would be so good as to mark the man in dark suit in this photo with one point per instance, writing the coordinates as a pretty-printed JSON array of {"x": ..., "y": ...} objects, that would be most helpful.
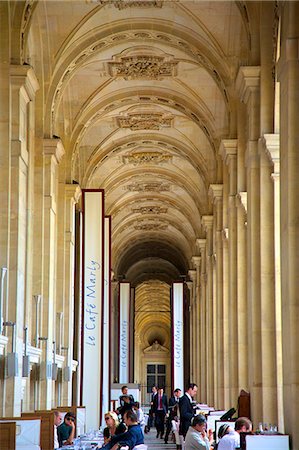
[
  {"x": 173, "y": 411},
  {"x": 151, "y": 411},
  {"x": 160, "y": 410},
  {"x": 186, "y": 408}
]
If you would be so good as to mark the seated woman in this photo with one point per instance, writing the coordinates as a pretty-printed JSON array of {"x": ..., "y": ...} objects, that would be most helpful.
[
  {"x": 66, "y": 431},
  {"x": 130, "y": 438},
  {"x": 113, "y": 426}
]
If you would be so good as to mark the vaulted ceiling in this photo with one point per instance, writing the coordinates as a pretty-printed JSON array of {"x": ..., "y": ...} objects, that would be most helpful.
[{"x": 141, "y": 92}]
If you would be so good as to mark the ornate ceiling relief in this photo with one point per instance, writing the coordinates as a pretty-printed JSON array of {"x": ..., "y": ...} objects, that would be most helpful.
[
  {"x": 146, "y": 157},
  {"x": 154, "y": 209},
  {"x": 122, "y": 4},
  {"x": 149, "y": 187},
  {"x": 149, "y": 67},
  {"x": 145, "y": 121},
  {"x": 150, "y": 225}
]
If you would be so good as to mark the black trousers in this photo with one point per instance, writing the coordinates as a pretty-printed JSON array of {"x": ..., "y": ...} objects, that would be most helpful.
[{"x": 159, "y": 421}]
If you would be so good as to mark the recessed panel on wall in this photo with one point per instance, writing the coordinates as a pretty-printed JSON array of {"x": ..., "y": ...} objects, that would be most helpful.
[
  {"x": 178, "y": 335},
  {"x": 124, "y": 331},
  {"x": 106, "y": 320},
  {"x": 93, "y": 290}
]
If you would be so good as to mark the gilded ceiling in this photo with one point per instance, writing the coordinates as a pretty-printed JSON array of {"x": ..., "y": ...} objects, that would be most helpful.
[{"x": 141, "y": 94}]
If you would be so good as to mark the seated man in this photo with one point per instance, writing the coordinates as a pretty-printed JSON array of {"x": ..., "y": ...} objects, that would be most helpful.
[
  {"x": 66, "y": 431},
  {"x": 130, "y": 438},
  {"x": 126, "y": 401},
  {"x": 231, "y": 440},
  {"x": 57, "y": 422}
]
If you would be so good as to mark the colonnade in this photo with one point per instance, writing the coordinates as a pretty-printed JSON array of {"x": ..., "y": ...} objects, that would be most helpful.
[{"x": 251, "y": 314}]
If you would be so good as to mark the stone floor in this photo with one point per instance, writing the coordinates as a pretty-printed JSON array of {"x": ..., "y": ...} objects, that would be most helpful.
[{"x": 157, "y": 444}]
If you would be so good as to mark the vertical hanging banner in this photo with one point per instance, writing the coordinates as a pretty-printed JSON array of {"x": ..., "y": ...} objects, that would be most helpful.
[
  {"x": 178, "y": 336},
  {"x": 106, "y": 323},
  {"x": 92, "y": 308},
  {"x": 124, "y": 331}
]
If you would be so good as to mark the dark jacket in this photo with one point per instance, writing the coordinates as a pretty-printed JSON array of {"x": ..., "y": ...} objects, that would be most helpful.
[
  {"x": 173, "y": 406},
  {"x": 186, "y": 414},
  {"x": 132, "y": 437},
  {"x": 164, "y": 403}
]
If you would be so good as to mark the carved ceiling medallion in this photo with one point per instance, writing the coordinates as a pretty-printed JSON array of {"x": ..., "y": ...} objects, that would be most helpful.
[
  {"x": 149, "y": 187},
  {"x": 150, "y": 226},
  {"x": 154, "y": 209},
  {"x": 122, "y": 4},
  {"x": 145, "y": 121},
  {"x": 144, "y": 67},
  {"x": 146, "y": 157}
]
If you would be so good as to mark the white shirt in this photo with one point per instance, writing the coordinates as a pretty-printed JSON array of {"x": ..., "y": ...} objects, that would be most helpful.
[
  {"x": 195, "y": 441},
  {"x": 56, "y": 444},
  {"x": 229, "y": 441}
]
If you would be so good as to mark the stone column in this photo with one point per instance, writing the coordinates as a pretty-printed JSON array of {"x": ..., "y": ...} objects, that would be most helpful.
[
  {"x": 228, "y": 151},
  {"x": 23, "y": 86},
  {"x": 268, "y": 338},
  {"x": 203, "y": 332},
  {"x": 208, "y": 225},
  {"x": 272, "y": 146},
  {"x": 53, "y": 151},
  {"x": 248, "y": 85},
  {"x": 194, "y": 320},
  {"x": 71, "y": 197},
  {"x": 216, "y": 192},
  {"x": 226, "y": 322},
  {"x": 242, "y": 306},
  {"x": 288, "y": 75}
]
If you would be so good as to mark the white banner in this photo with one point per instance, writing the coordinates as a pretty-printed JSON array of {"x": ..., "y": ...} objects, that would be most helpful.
[
  {"x": 106, "y": 323},
  {"x": 93, "y": 275},
  {"x": 178, "y": 335},
  {"x": 124, "y": 331}
]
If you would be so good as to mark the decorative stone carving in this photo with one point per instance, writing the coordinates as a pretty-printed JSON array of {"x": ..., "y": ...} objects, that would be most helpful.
[
  {"x": 156, "y": 347},
  {"x": 123, "y": 4},
  {"x": 144, "y": 67},
  {"x": 145, "y": 121},
  {"x": 154, "y": 209},
  {"x": 141, "y": 225},
  {"x": 146, "y": 157},
  {"x": 149, "y": 187}
]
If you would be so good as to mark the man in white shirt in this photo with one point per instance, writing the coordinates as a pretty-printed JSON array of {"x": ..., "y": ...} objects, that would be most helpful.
[
  {"x": 197, "y": 437},
  {"x": 231, "y": 440},
  {"x": 57, "y": 422}
]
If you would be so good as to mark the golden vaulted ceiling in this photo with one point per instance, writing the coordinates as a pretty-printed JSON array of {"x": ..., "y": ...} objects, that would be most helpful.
[{"x": 141, "y": 92}]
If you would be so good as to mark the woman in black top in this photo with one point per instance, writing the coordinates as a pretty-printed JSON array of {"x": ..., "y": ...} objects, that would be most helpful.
[{"x": 113, "y": 427}]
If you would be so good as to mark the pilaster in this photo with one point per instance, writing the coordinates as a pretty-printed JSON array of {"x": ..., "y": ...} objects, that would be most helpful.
[
  {"x": 248, "y": 86},
  {"x": 53, "y": 151},
  {"x": 207, "y": 222},
  {"x": 201, "y": 243},
  {"x": 22, "y": 88},
  {"x": 216, "y": 193}
]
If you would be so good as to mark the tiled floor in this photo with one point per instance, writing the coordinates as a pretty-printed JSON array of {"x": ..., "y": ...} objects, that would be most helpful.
[{"x": 157, "y": 444}]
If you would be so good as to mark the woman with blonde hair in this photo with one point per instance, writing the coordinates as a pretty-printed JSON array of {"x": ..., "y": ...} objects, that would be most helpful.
[{"x": 113, "y": 426}]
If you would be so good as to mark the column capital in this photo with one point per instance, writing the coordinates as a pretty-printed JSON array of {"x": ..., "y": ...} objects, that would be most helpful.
[
  {"x": 207, "y": 222},
  {"x": 53, "y": 147},
  {"x": 189, "y": 285},
  {"x": 241, "y": 197},
  {"x": 24, "y": 76},
  {"x": 228, "y": 150},
  {"x": 73, "y": 191},
  {"x": 192, "y": 273},
  {"x": 247, "y": 81},
  {"x": 216, "y": 192},
  {"x": 201, "y": 243},
  {"x": 196, "y": 261},
  {"x": 271, "y": 145}
]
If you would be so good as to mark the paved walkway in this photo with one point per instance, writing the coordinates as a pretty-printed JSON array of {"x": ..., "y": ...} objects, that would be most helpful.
[{"x": 154, "y": 443}]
